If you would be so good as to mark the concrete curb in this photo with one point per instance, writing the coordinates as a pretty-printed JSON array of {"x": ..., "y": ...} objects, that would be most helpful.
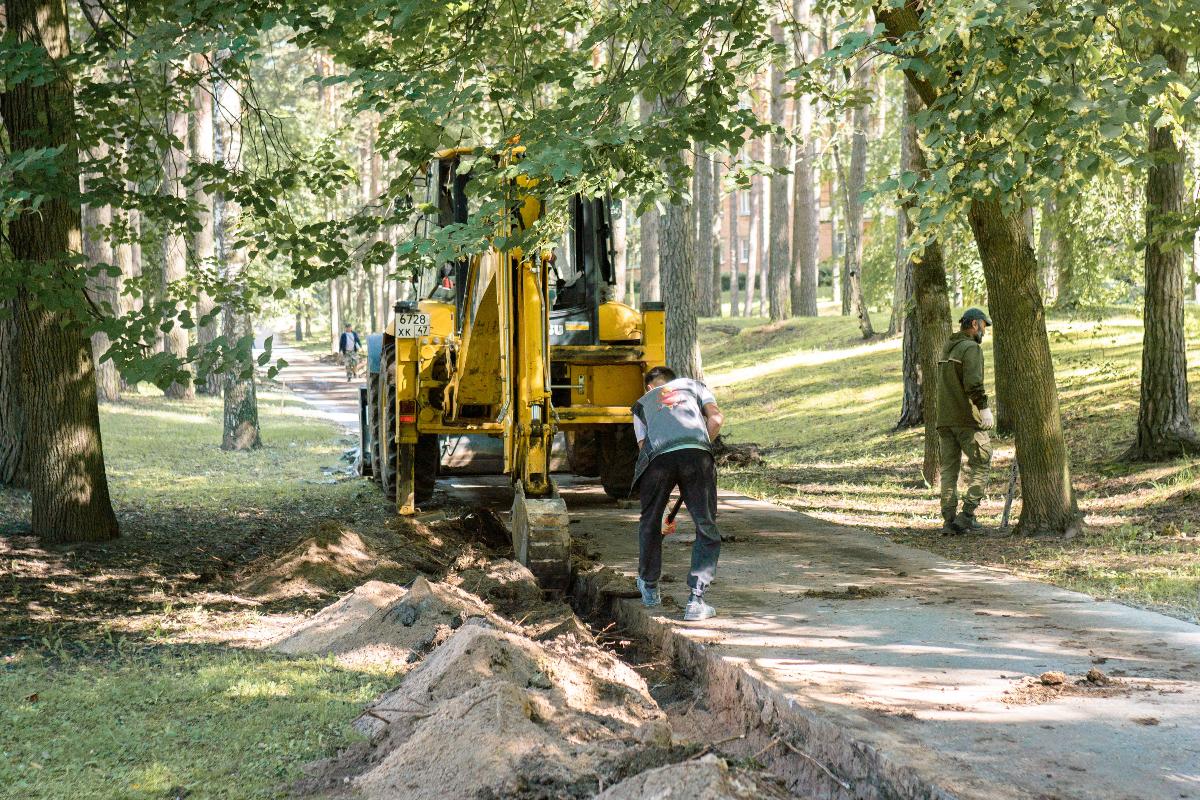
[{"x": 824, "y": 760}]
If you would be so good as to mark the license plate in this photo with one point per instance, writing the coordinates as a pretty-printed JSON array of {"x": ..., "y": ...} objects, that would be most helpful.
[{"x": 411, "y": 325}]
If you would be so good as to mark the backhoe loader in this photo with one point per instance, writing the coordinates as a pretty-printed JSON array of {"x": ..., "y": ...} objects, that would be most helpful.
[{"x": 514, "y": 345}]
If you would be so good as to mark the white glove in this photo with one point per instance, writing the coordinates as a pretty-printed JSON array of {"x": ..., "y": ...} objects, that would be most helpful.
[{"x": 986, "y": 419}]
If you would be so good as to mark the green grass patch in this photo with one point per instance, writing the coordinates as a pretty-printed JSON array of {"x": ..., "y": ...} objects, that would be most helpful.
[
  {"x": 172, "y": 721},
  {"x": 822, "y": 404}
]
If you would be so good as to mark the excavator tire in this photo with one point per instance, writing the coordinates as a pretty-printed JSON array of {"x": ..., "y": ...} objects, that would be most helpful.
[
  {"x": 582, "y": 453},
  {"x": 372, "y": 453},
  {"x": 389, "y": 454},
  {"x": 426, "y": 466},
  {"x": 618, "y": 454}
]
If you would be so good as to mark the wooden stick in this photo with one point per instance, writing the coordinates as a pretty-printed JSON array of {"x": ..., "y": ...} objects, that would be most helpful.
[
  {"x": 1008, "y": 497},
  {"x": 812, "y": 760}
]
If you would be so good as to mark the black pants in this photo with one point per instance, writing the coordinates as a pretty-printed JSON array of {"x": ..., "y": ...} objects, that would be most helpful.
[{"x": 693, "y": 471}]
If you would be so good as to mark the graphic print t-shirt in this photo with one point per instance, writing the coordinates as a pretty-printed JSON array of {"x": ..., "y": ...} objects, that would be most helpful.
[{"x": 671, "y": 417}]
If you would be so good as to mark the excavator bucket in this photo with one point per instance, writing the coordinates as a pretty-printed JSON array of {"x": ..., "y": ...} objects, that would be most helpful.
[{"x": 541, "y": 538}]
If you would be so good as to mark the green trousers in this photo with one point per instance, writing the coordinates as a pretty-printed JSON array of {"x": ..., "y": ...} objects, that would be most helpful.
[{"x": 954, "y": 443}]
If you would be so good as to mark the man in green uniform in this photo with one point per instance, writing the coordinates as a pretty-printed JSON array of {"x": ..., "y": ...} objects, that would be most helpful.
[{"x": 963, "y": 420}]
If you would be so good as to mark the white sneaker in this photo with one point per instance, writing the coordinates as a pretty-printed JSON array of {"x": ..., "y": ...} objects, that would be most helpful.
[
  {"x": 697, "y": 610},
  {"x": 650, "y": 596}
]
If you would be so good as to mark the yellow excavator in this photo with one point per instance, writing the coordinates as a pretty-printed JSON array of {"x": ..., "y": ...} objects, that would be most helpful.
[{"x": 514, "y": 345}]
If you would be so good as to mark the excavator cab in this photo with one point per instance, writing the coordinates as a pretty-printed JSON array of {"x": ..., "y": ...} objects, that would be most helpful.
[{"x": 515, "y": 345}]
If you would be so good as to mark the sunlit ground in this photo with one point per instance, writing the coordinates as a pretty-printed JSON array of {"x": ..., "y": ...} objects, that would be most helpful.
[
  {"x": 823, "y": 405},
  {"x": 101, "y": 696}
]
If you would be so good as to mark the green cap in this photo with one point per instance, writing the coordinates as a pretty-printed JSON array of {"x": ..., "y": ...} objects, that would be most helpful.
[{"x": 972, "y": 314}]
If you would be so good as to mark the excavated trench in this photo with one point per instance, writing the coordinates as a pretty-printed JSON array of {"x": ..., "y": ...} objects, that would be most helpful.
[{"x": 724, "y": 705}]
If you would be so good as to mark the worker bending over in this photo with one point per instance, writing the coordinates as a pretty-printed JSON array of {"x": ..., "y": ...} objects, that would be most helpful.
[
  {"x": 963, "y": 420},
  {"x": 675, "y": 423}
]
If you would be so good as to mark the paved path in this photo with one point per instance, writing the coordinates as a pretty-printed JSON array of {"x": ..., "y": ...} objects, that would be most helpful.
[
  {"x": 323, "y": 386},
  {"x": 925, "y": 678}
]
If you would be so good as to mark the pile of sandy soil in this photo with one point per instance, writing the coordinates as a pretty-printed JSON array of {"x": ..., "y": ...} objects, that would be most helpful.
[
  {"x": 383, "y": 623},
  {"x": 493, "y": 714},
  {"x": 343, "y": 554},
  {"x": 708, "y": 778}
]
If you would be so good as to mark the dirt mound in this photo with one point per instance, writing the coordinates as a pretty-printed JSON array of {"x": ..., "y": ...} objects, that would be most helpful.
[
  {"x": 383, "y": 623},
  {"x": 491, "y": 713},
  {"x": 334, "y": 559},
  {"x": 371, "y": 544},
  {"x": 508, "y": 585},
  {"x": 708, "y": 778}
]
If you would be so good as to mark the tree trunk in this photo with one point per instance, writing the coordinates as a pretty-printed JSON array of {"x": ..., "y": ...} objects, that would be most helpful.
[
  {"x": 64, "y": 454},
  {"x": 927, "y": 317},
  {"x": 649, "y": 286},
  {"x": 1010, "y": 267},
  {"x": 702, "y": 192},
  {"x": 175, "y": 341},
  {"x": 240, "y": 429},
  {"x": 717, "y": 248},
  {"x": 204, "y": 238},
  {"x": 104, "y": 289},
  {"x": 756, "y": 222},
  {"x": 806, "y": 225},
  {"x": 1064, "y": 267},
  {"x": 1011, "y": 270},
  {"x": 779, "y": 270},
  {"x": 735, "y": 257},
  {"x": 679, "y": 292},
  {"x": 335, "y": 317},
  {"x": 852, "y": 189},
  {"x": 1164, "y": 426},
  {"x": 621, "y": 261},
  {"x": 12, "y": 421},
  {"x": 1048, "y": 252},
  {"x": 928, "y": 320}
]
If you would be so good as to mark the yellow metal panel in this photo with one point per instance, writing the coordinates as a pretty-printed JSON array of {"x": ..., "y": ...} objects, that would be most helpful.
[
  {"x": 616, "y": 385},
  {"x": 619, "y": 323},
  {"x": 478, "y": 365},
  {"x": 654, "y": 323},
  {"x": 441, "y": 317}
]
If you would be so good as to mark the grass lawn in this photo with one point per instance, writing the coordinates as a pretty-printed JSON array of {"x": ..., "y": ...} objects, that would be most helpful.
[
  {"x": 823, "y": 405},
  {"x": 101, "y": 692}
]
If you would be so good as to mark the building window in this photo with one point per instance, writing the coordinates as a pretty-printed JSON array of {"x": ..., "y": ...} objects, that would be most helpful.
[
  {"x": 745, "y": 244},
  {"x": 744, "y": 202}
]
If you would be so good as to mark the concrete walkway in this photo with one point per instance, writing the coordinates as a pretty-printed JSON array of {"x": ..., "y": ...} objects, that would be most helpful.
[
  {"x": 922, "y": 683},
  {"x": 323, "y": 386}
]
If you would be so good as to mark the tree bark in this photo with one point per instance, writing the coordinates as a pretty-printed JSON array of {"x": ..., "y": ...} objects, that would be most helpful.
[
  {"x": 240, "y": 418},
  {"x": 204, "y": 239},
  {"x": 104, "y": 289},
  {"x": 805, "y": 212},
  {"x": 12, "y": 421},
  {"x": 649, "y": 285},
  {"x": 64, "y": 454},
  {"x": 1010, "y": 267},
  {"x": 717, "y": 248},
  {"x": 852, "y": 188},
  {"x": 928, "y": 320},
  {"x": 735, "y": 257},
  {"x": 756, "y": 222},
  {"x": 1048, "y": 252},
  {"x": 679, "y": 291},
  {"x": 621, "y": 261},
  {"x": 779, "y": 270},
  {"x": 702, "y": 192},
  {"x": 175, "y": 341},
  {"x": 1164, "y": 426}
]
